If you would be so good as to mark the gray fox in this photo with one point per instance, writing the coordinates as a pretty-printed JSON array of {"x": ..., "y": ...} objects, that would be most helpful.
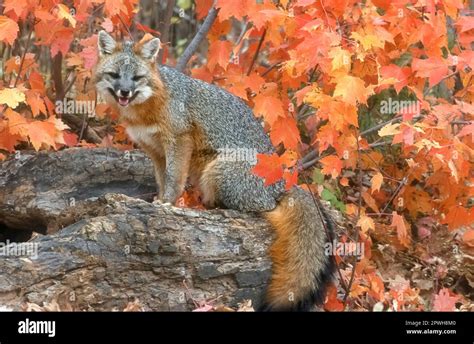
[{"x": 185, "y": 126}]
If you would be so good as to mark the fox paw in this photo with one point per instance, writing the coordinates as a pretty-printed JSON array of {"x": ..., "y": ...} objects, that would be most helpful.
[{"x": 156, "y": 200}]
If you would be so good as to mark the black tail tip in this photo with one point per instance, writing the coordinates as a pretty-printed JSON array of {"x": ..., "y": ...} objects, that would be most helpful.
[{"x": 313, "y": 299}]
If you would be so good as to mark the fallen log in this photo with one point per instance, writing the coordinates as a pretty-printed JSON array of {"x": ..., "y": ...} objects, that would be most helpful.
[
  {"x": 165, "y": 257},
  {"x": 99, "y": 250},
  {"x": 36, "y": 188}
]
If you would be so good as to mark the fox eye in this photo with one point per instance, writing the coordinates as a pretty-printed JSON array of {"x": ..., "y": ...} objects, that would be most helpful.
[
  {"x": 113, "y": 75},
  {"x": 138, "y": 77}
]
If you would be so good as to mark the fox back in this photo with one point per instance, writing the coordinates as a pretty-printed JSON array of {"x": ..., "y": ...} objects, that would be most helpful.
[{"x": 128, "y": 77}]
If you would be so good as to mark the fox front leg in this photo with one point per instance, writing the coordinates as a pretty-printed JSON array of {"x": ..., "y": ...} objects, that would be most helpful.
[
  {"x": 178, "y": 156},
  {"x": 160, "y": 165}
]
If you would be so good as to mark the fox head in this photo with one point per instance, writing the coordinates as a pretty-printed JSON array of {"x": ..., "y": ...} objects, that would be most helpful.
[{"x": 125, "y": 74}]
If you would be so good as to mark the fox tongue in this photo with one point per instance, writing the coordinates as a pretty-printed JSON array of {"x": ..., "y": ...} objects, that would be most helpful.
[{"x": 123, "y": 101}]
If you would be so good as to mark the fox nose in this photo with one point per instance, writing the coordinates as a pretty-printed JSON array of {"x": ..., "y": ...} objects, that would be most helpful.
[{"x": 125, "y": 93}]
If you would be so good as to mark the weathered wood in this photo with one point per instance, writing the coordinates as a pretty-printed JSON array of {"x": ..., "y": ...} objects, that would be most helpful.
[
  {"x": 35, "y": 188},
  {"x": 166, "y": 257}
]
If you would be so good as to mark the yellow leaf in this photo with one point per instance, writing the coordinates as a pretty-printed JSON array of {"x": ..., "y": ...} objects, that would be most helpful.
[
  {"x": 369, "y": 41},
  {"x": 365, "y": 223},
  {"x": 352, "y": 90},
  {"x": 341, "y": 59},
  {"x": 390, "y": 129},
  {"x": 376, "y": 181},
  {"x": 12, "y": 97},
  {"x": 351, "y": 209}
]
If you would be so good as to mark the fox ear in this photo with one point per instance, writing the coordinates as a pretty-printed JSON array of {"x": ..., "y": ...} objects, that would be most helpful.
[
  {"x": 106, "y": 43},
  {"x": 150, "y": 49}
]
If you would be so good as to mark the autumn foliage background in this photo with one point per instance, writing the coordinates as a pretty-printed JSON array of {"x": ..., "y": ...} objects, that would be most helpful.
[{"x": 318, "y": 72}]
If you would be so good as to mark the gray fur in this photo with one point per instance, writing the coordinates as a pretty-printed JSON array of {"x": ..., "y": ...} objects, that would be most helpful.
[{"x": 228, "y": 123}]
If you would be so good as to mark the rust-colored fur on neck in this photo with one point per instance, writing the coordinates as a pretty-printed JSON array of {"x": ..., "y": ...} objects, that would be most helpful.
[{"x": 153, "y": 110}]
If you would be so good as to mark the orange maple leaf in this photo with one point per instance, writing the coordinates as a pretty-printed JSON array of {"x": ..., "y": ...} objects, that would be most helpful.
[
  {"x": 284, "y": 130},
  {"x": 219, "y": 54},
  {"x": 352, "y": 90},
  {"x": 270, "y": 107},
  {"x": 268, "y": 167},
  {"x": 8, "y": 30},
  {"x": 402, "y": 233},
  {"x": 332, "y": 165},
  {"x": 434, "y": 68}
]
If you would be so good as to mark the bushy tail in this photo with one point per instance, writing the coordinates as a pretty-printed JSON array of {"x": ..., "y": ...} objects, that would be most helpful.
[{"x": 301, "y": 269}]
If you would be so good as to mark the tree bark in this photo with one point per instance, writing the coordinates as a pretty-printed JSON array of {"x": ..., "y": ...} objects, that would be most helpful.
[
  {"x": 36, "y": 188},
  {"x": 165, "y": 257}
]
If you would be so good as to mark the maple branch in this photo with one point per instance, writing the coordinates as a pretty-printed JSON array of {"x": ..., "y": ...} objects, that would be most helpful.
[
  {"x": 380, "y": 126},
  {"x": 443, "y": 79},
  {"x": 27, "y": 45},
  {"x": 378, "y": 144},
  {"x": 67, "y": 88},
  {"x": 57, "y": 75},
  {"x": 165, "y": 27},
  {"x": 257, "y": 52},
  {"x": 356, "y": 239},
  {"x": 246, "y": 26},
  {"x": 310, "y": 156},
  {"x": 310, "y": 163},
  {"x": 397, "y": 191},
  {"x": 461, "y": 122},
  {"x": 401, "y": 184},
  {"x": 304, "y": 110},
  {"x": 202, "y": 32},
  {"x": 126, "y": 28},
  {"x": 326, "y": 14},
  {"x": 269, "y": 69}
]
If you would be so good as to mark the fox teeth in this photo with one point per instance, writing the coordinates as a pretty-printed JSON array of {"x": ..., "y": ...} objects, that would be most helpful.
[{"x": 123, "y": 101}]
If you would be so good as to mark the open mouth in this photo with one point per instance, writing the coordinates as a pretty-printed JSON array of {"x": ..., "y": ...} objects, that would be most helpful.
[{"x": 123, "y": 101}]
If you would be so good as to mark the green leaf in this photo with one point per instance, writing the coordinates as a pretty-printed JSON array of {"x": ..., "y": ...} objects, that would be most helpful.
[
  {"x": 318, "y": 177},
  {"x": 327, "y": 195},
  {"x": 184, "y": 4}
]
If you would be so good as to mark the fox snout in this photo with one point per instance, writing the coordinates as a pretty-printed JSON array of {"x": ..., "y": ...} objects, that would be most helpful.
[
  {"x": 124, "y": 89},
  {"x": 124, "y": 93},
  {"x": 124, "y": 97}
]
